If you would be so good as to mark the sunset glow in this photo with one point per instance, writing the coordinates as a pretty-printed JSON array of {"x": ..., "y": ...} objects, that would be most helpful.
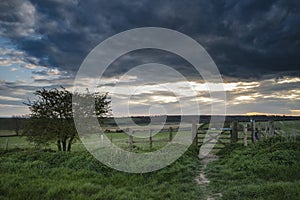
[{"x": 260, "y": 69}]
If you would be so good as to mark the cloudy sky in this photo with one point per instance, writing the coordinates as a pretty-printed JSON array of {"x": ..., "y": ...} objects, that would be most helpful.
[{"x": 254, "y": 43}]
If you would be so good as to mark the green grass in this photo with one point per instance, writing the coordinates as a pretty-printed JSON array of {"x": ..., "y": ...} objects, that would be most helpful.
[
  {"x": 141, "y": 144},
  {"x": 120, "y": 139},
  {"x": 14, "y": 142},
  {"x": 21, "y": 143},
  {"x": 266, "y": 170},
  {"x": 77, "y": 175},
  {"x": 7, "y": 132}
]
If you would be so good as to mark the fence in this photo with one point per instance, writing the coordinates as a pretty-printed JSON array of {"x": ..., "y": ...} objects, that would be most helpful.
[
  {"x": 151, "y": 140},
  {"x": 234, "y": 132},
  {"x": 205, "y": 133},
  {"x": 10, "y": 142},
  {"x": 168, "y": 135}
]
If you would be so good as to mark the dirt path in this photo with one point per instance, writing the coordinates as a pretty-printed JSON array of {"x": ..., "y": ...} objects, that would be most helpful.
[{"x": 203, "y": 181}]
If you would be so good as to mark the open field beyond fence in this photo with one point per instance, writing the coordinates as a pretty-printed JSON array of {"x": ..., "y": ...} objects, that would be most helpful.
[
  {"x": 141, "y": 140},
  {"x": 266, "y": 169}
]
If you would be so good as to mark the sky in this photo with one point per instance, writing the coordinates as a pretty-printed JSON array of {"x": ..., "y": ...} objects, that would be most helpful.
[{"x": 255, "y": 45}]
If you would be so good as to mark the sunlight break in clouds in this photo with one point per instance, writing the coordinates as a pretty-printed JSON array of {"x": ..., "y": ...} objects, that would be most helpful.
[
  {"x": 295, "y": 112},
  {"x": 42, "y": 44}
]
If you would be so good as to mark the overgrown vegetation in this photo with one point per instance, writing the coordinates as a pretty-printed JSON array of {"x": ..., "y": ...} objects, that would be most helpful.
[
  {"x": 266, "y": 170},
  {"x": 51, "y": 115},
  {"x": 269, "y": 169},
  {"x": 77, "y": 175}
]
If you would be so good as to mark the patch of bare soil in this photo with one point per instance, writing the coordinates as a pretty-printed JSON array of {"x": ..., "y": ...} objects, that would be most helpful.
[{"x": 203, "y": 181}]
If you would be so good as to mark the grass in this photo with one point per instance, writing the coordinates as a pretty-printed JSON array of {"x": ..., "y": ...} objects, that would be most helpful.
[
  {"x": 141, "y": 140},
  {"x": 7, "y": 132},
  {"x": 21, "y": 143},
  {"x": 14, "y": 142},
  {"x": 77, "y": 175},
  {"x": 266, "y": 170},
  {"x": 120, "y": 139}
]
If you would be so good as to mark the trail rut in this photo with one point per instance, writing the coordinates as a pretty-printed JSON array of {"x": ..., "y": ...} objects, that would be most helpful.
[{"x": 203, "y": 181}]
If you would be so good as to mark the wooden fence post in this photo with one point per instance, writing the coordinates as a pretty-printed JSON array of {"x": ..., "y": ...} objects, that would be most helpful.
[
  {"x": 258, "y": 131},
  {"x": 271, "y": 128},
  {"x": 150, "y": 139},
  {"x": 234, "y": 132},
  {"x": 266, "y": 130},
  {"x": 245, "y": 130},
  {"x": 130, "y": 139},
  {"x": 170, "y": 134},
  {"x": 253, "y": 131},
  {"x": 194, "y": 134}
]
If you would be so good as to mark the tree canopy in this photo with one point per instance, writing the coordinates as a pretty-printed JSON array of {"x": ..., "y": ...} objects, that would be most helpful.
[{"x": 51, "y": 118}]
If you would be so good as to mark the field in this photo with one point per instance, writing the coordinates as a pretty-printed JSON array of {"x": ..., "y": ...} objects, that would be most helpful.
[
  {"x": 266, "y": 170},
  {"x": 269, "y": 169},
  {"x": 141, "y": 141},
  {"x": 21, "y": 143},
  {"x": 37, "y": 174},
  {"x": 77, "y": 175}
]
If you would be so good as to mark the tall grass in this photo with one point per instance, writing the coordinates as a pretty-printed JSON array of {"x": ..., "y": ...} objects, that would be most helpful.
[
  {"x": 77, "y": 175},
  {"x": 266, "y": 170}
]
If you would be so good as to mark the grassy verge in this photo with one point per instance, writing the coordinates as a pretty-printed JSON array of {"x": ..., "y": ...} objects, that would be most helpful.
[
  {"x": 120, "y": 139},
  {"x": 267, "y": 170},
  {"x": 77, "y": 175},
  {"x": 20, "y": 142}
]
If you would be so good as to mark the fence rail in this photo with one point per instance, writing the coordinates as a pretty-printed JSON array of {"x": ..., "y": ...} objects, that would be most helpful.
[
  {"x": 201, "y": 134},
  {"x": 236, "y": 131},
  {"x": 150, "y": 140},
  {"x": 206, "y": 133}
]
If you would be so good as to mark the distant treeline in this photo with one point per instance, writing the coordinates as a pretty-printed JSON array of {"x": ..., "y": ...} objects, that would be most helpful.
[
  {"x": 18, "y": 123},
  {"x": 206, "y": 118},
  {"x": 12, "y": 123}
]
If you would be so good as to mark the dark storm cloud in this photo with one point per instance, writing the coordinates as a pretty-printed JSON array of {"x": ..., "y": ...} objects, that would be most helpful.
[
  {"x": 249, "y": 38},
  {"x": 140, "y": 57}
]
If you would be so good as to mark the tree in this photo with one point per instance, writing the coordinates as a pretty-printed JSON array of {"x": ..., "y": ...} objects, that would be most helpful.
[
  {"x": 17, "y": 123},
  {"x": 51, "y": 118}
]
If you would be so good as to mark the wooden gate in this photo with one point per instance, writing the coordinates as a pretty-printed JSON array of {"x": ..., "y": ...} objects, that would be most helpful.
[
  {"x": 233, "y": 132},
  {"x": 209, "y": 135}
]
